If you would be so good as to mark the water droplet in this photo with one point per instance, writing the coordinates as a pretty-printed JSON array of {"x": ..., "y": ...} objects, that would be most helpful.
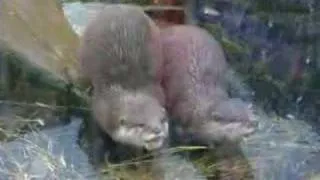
[{"x": 308, "y": 60}]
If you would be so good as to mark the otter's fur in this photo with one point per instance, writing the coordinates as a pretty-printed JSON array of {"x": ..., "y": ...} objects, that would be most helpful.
[
  {"x": 120, "y": 54},
  {"x": 195, "y": 86}
]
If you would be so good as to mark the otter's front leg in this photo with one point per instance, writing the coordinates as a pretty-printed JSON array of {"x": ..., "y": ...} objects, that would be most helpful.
[
  {"x": 230, "y": 120},
  {"x": 215, "y": 132}
]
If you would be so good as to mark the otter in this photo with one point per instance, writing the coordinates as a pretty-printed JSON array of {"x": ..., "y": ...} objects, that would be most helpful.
[
  {"x": 121, "y": 56},
  {"x": 195, "y": 87}
]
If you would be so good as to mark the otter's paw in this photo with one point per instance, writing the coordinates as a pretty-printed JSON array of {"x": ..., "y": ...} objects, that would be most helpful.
[
  {"x": 234, "y": 119},
  {"x": 217, "y": 132},
  {"x": 237, "y": 130}
]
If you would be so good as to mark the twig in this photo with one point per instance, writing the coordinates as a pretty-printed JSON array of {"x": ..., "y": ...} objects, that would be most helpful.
[
  {"x": 41, "y": 105},
  {"x": 162, "y": 7}
]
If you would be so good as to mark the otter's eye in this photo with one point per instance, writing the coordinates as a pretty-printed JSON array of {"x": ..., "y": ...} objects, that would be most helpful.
[
  {"x": 164, "y": 120},
  {"x": 140, "y": 125},
  {"x": 216, "y": 117},
  {"x": 122, "y": 120}
]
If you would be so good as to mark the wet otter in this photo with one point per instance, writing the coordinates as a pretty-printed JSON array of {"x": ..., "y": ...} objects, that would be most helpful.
[
  {"x": 120, "y": 55},
  {"x": 195, "y": 87}
]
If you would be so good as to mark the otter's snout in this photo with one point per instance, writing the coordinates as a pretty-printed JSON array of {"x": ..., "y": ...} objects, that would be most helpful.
[
  {"x": 155, "y": 143},
  {"x": 152, "y": 137},
  {"x": 155, "y": 138}
]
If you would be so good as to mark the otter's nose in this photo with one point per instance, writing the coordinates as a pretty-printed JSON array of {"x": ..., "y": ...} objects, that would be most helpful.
[
  {"x": 151, "y": 137},
  {"x": 154, "y": 133},
  {"x": 156, "y": 130}
]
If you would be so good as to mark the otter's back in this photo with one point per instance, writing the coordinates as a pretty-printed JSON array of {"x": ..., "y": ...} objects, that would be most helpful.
[
  {"x": 119, "y": 46},
  {"x": 194, "y": 65}
]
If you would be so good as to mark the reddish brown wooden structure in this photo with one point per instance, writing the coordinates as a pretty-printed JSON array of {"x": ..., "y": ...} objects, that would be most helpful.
[{"x": 167, "y": 12}]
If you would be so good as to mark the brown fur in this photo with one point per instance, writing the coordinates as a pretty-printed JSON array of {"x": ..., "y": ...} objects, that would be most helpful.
[
  {"x": 195, "y": 85},
  {"x": 120, "y": 53}
]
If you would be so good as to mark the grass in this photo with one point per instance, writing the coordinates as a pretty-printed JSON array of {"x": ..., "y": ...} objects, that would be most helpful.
[
  {"x": 41, "y": 159},
  {"x": 277, "y": 138},
  {"x": 37, "y": 162}
]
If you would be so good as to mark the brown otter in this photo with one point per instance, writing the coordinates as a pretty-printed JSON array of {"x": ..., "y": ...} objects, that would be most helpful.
[
  {"x": 195, "y": 86},
  {"x": 120, "y": 54}
]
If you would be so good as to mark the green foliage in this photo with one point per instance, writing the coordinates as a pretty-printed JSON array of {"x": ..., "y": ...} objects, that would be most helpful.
[
  {"x": 23, "y": 82},
  {"x": 32, "y": 94},
  {"x": 139, "y": 2},
  {"x": 213, "y": 164},
  {"x": 287, "y": 17},
  {"x": 284, "y": 6},
  {"x": 229, "y": 45}
]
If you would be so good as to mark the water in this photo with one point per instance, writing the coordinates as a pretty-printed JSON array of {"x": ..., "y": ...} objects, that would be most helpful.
[
  {"x": 48, "y": 154},
  {"x": 286, "y": 149}
]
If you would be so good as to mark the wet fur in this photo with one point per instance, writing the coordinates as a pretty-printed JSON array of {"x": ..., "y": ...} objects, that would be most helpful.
[
  {"x": 120, "y": 55},
  {"x": 195, "y": 88}
]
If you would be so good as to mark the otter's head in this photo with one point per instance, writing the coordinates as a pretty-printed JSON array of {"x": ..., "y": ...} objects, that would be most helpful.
[
  {"x": 132, "y": 118},
  {"x": 236, "y": 119}
]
